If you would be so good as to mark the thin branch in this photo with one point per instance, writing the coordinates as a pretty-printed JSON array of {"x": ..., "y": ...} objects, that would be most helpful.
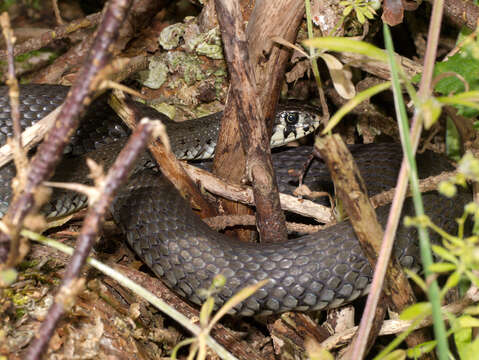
[
  {"x": 31, "y": 136},
  {"x": 57, "y": 12},
  {"x": 91, "y": 228},
  {"x": 425, "y": 185},
  {"x": 379, "y": 68},
  {"x": 351, "y": 189},
  {"x": 55, "y": 34},
  {"x": 392, "y": 327},
  {"x": 222, "y": 222},
  {"x": 51, "y": 150},
  {"x": 396, "y": 207},
  {"x": 19, "y": 153},
  {"x": 244, "y": 195}
]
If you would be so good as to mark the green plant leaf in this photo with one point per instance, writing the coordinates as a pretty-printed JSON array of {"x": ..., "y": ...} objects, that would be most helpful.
[
  {"x": 8, "y": 276},
  {"x": 467, "y": 66},
  {"x": 206, "y": 311},
  {"x": 431, "y": 110},
  {"x": 462, "y": 64},
  {"x": 344, "y": 44},
  {"x": 443, "y": 253},
  {"x": 452, "y": 280},
  {"x": 442, "y": 267},
  {"x": 453, "y": 140},
  {"x": 415, "y": 310},
  {"x": 474, "y": 279},
  {"x": 347, "y": 10},
  {"x": 472, "y": 310},
  {"x": 470, "y": 350},
  {"x": 417, "y": 279},
  {"x": 447, "y": 189},
  {"x": 360, "y": 16},
  {"x": 421, "y": 349},
  {"x": 395, "y": 355},
  {"x": 468, "y": 321},
  {"x": 462, "y": 338},
  {"x": 236, "y": 299}
]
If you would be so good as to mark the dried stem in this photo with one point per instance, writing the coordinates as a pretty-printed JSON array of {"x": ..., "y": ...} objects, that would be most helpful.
[
  {"x": 351, "y": 190},
  {"x": 396, "y": 207},
  {"x": 55, "y": 34},
  {"x": 92, "y": 225},
  {"x": 19, "y": 154},
  {"x": 57, "y": 12},
  {"x": 170, "y": 166},
  {"x": 51, "y": 150}
]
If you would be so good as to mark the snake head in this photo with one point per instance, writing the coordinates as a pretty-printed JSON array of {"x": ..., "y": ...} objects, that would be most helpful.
[{"x": 293, "y": 122}]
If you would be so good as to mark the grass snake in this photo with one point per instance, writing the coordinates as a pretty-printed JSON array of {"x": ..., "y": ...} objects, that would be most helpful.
[{"x": 313, "y": 272}]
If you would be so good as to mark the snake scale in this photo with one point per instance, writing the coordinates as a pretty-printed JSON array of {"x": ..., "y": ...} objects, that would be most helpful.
[{"x": 313, "y": 272}]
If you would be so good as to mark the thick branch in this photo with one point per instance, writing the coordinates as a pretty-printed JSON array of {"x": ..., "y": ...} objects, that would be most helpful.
[
  {"x": 266, "y": 21},
  {"x": 270, "y": 219},
  {"x": 51, "y": 150},
  {"x": 461, "y": 13}
]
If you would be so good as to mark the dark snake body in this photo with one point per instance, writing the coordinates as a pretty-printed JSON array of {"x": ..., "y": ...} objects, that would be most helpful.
[{"x": 318, "y": 271}]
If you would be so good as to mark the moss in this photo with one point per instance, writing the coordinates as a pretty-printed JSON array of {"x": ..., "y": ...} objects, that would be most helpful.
[
  {"x": 210, "y": 45},
  {"x": 27, "y": 264},
  {"x": 189, "y": 65},
  {"x": 171, "y": 35},
  {"x": 164, "y": 108},
  {"x": 156, "y": 74}
]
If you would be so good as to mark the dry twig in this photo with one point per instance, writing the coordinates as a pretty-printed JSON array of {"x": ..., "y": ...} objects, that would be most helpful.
[
  {"x": 167, "y": 161},
  {"x": 51, "y": 150},
  {"x": 106, "y": 190},
  {"x": 19, "y": 153},
  {"x": 351, "y": 191},
  {"x": 57, "y": 33}
]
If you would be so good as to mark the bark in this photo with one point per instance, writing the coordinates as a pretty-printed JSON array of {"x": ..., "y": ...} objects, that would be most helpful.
[{"x": 268, "y": 62}]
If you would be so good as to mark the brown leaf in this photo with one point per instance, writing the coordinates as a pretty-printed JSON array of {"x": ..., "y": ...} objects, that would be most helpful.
[
  {"x": 297, "y": 71},
  {"x": 393, "y": 12}
]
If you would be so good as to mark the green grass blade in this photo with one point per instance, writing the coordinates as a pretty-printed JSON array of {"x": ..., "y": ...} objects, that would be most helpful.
[
  {"x": 137, "y": 289},
  {"x": 424, "y": 244}
]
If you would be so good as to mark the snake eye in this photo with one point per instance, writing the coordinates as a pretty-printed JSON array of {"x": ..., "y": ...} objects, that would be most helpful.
[{"x": 292, "y": 118}]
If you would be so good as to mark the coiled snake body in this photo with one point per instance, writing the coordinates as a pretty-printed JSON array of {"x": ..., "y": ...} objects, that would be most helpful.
[{"x": 317, "y": 271}]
